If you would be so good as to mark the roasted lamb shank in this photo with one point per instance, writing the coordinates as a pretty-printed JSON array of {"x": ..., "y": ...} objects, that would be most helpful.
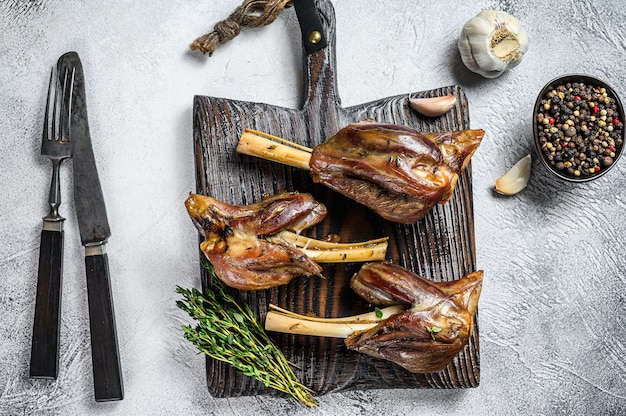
[
  {"x": 431, "y": 332},
  {"x": 258, "y": 246},
  {"x": 394, "y": 170},
  {"x": 424, "y": 326}
]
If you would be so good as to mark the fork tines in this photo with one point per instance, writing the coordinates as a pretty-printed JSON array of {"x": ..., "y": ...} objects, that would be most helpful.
[{"x": 50, "y": 134}]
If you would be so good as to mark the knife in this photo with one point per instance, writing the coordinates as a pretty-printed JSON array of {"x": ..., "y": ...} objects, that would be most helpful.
[{"x": 94, "y": 232}]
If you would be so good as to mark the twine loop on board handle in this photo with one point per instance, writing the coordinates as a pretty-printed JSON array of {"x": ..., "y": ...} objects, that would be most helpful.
[{"x": 251, "y": 13}]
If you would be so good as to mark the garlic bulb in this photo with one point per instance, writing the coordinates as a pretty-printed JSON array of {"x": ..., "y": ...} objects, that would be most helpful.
[
  {"x": 492, "y": 42},
  {"x": 515, "y": 179}
]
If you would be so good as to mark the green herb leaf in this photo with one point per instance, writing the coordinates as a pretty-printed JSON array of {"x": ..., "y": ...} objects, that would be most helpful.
[
  {"x": 432, "y": 330},
  {"x": 238, "y": 317},
  {"x": 378, "y": 312},
  {"x": 230, "y": 332}
]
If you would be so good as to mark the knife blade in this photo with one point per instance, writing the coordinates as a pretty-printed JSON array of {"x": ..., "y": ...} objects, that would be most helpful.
[{"x": 94, "y": 233}]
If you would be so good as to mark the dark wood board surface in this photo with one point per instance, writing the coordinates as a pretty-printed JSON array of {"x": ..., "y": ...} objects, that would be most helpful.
[{"x": 440, "y": 247}]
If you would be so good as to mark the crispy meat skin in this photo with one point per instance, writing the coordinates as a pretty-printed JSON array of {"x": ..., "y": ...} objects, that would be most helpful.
[
  {"x": 235, "y": 244},
  {"x": 405, "y": 338},
  {"x": 396, "y": 171}
]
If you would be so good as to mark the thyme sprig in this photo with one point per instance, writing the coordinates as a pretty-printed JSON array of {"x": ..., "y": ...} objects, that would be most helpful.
[{"x": 230, "y": 332}]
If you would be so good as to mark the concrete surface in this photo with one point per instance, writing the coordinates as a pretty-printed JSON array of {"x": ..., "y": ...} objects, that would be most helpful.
[{"x": 552, "y": 313}]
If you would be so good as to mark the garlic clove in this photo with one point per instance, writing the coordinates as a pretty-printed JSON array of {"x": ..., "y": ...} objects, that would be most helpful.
[
  {"x": 434, "y": 106},
  {"x": 515, "y": 179}
]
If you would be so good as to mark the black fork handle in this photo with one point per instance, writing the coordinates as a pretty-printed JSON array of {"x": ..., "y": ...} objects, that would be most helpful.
[
  {"x": 44, "y": 359},
  {"x": 107, "y": 372}
]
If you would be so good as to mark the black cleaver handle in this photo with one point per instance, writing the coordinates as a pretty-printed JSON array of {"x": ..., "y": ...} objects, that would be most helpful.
[{"x": 107, "y": 373}]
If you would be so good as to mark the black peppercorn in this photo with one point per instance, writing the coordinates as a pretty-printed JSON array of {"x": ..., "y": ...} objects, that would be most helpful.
[{"x": 568, "y": 153}]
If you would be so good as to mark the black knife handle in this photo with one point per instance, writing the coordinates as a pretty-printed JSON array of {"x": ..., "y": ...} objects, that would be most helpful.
[
  {"x": 44, "y": 355},
  {"x": 107, "y": 374}
]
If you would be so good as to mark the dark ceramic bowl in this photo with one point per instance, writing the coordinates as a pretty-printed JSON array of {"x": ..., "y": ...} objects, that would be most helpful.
[{"x": 577, "y": 153}]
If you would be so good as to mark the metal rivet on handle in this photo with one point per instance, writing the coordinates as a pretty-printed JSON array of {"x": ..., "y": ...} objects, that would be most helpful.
[{"x": 315, "y": 37}]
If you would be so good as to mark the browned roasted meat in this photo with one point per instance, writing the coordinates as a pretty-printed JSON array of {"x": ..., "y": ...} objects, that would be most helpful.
[
  {"x": 235, "y": 244},
  {"x": 431, "y": 332},
  {"x": 396, "y": 171}
]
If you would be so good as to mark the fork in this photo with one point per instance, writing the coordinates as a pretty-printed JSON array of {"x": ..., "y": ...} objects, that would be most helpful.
[{"x": 44, "y": 359}]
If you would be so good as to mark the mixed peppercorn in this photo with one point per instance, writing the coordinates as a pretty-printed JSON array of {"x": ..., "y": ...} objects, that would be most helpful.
[{"x": 579, "y": 128}]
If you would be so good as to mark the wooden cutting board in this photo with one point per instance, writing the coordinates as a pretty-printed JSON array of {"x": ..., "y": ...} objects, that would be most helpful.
[{"x": 440, "y": 247}]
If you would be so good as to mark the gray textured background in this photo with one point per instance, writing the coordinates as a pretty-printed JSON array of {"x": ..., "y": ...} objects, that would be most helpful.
[{"x": 552, "y": 313}]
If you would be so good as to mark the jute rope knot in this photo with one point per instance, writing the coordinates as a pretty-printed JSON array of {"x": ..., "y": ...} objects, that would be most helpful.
[{"x": 251, "y": 13}]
